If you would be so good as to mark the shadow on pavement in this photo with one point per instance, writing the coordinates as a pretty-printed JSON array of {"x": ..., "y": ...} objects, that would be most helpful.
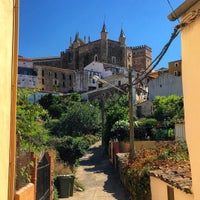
[{"x": 97, "y": 163}]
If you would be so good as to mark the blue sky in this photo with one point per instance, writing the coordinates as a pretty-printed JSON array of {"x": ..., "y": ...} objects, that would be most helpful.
[{"x": 46, "y": 25}]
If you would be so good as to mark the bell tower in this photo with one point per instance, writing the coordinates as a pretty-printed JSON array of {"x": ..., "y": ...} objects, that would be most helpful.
[{"x": 104, "y": 33}]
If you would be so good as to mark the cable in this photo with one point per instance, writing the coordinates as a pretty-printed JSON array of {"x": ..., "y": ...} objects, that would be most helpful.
[
  {"x": 170, "y": 5},
  {"x": 158, "y": 58}
]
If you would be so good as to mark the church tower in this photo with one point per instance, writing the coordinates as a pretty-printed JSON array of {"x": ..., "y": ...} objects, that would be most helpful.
[
  {"x": 104, "y": 33},
  {"x": 104, "y": 44},
  {"x": 122, "y": 38}
]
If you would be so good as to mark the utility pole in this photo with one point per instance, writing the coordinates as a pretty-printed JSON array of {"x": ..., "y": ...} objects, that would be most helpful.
[{"x": 132, "y": 151}]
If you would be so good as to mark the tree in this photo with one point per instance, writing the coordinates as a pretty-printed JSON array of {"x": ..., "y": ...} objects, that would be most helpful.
[
  {"x": 53, "y": 104},
  {"x": 120, "y": 130},
  {"x": 30, "y": 118},
  {"x": 168, "y": 109},
  {"x": 79, "y": 119}
]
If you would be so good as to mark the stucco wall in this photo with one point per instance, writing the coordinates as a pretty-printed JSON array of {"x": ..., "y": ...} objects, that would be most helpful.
[
  {"x": 191, "y": 83},
  {"x": 162, "y": 86},
  {"x": 6, "y": 21},
  {"x": 159, "y": 191},
  {"x": 26, "y": 193}
]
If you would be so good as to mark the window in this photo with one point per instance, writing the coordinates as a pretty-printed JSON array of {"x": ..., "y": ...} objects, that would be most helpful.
[
  {"x": 70, "y": 80},
  {"x": 177, "y": 73},
  {"x": 55, "y": 75},
  {"x": 113, "y": 59},
  {"x": 176, "y": 64},
  {"x": 63, "y": 75},
  {"x": 64, "y": 84},
  {"x": 170, "y": 193},
  {"x": 96, "y": 58},
  {"x": 42, "y": 72},
  {"x": 42, "y": 81},
  {"x": 55, "y": 82},
  {"x": 49, "y": 73}
]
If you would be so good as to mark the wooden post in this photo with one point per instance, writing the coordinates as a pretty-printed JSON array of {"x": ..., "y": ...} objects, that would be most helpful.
[
  {"x": 12, "y": 153},
  {"x": 132, "y": 152}
]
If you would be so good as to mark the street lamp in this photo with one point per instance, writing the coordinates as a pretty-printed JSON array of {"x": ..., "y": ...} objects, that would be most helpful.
[{"x": 130, "y": 84}]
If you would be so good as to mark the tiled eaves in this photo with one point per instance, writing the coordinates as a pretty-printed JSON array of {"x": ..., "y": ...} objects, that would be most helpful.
[{"x": 178, "y": 176}]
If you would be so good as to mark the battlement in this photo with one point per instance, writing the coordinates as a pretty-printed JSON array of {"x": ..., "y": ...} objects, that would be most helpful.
[{"x": 141, "y": 47}]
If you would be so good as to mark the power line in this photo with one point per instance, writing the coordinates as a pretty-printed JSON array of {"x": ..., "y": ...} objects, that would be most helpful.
[
  {"x": 158, "y": 58},
  {"x": 170, "y": 5}
]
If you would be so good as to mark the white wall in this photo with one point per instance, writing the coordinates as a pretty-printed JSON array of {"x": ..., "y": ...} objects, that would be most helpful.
[
  {"x": 165, "y": 85},
  {"x": 25, "y": 64},
  {"x": 27, "y": 81}
]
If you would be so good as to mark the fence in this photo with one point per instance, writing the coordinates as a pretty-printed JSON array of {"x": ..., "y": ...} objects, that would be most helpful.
[{"x": 43, "y": 178}]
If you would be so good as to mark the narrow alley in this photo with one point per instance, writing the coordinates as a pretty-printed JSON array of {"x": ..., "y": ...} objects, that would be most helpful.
[{"x": 99, "y": 178}]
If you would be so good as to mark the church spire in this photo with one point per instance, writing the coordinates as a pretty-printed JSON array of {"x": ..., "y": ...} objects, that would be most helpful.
[
  {"x": 122, "y": 33},
  {"x": 77, "y": 37},
  {"x": 122, "y": 38},
  {"x": 104, "y": 33},
  {"x": 104, "y": 27}
]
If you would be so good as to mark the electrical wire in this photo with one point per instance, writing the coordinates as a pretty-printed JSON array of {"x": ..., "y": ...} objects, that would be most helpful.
[
  {"x": 156, "y": 61},
  {"x": 170, "y": 5}
]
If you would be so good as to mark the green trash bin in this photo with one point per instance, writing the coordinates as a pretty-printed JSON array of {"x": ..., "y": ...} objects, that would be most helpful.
[{"x": 65, "y": 185}]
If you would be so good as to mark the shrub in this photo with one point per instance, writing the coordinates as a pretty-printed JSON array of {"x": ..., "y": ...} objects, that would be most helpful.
[
  {"x": 120, "y": 130},
  {"x": 145, "y": 160}
]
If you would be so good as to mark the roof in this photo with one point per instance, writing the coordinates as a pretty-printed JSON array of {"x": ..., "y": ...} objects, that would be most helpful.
[
  {"x": 178, "y": 175},
  {"x": 153, "y": 74},
  {"x": 181, "y": 9},
  {"x": 21, "y": 58},
  {"x": 46, "y": 58},
  {"x": 52, "y": 68}
]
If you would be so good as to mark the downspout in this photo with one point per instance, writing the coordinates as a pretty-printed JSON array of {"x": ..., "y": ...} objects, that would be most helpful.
[{"x": 14, "y": 68}]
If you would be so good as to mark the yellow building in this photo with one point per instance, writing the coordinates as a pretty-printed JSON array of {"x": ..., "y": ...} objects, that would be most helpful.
[
  {"x": 175, "y": 67},
  {"x": 189, "y": 12},
  {"x": 8, "y": 68}
]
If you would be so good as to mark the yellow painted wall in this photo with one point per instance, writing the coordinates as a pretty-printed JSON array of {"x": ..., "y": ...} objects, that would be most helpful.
[
  {"x": 6, "y": 71},
  {"x": 191, "y": 84},
  {"x": 172, "y": 66},
  {"x": 159, "y": 191}
]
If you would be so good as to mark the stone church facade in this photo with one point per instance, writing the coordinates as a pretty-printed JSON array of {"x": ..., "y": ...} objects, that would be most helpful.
[{"x": 81, "y": 53}]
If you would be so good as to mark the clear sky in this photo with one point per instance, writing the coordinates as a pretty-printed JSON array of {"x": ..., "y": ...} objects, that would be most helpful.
[{"x": 46, "y": 25}]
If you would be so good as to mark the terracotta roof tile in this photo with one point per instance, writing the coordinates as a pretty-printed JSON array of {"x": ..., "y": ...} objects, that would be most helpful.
[{"x": 177, "y": 175}]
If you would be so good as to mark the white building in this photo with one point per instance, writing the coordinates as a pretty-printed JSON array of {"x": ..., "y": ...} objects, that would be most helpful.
[
  {"x": 27, "y": 77},
  {"x": 102, "y": 70},
  {"x": 165, "y": 85}
]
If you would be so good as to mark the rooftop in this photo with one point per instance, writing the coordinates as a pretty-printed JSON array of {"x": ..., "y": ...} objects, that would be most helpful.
[
  {"x": 181, "y": 9},
  {"x": 177, "y": 174}
]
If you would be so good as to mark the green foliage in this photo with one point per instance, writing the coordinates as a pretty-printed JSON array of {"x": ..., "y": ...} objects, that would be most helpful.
[
  {"x": 165, "y": 155},
  {"x": 80, "y": 119},
  {"x": 116, "y": 109},
  {"x": 168, "y": 109},
  {"x": 144, "y": 129},
  {"x": 120, "y": 130},
  {"x": 71, "y": 149},
  {"x": 163, "y": 134},
  {"x": 53, "y": 104},
  {"x": 30, "y": 117},
  {"x": 55, "y": 194}
]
